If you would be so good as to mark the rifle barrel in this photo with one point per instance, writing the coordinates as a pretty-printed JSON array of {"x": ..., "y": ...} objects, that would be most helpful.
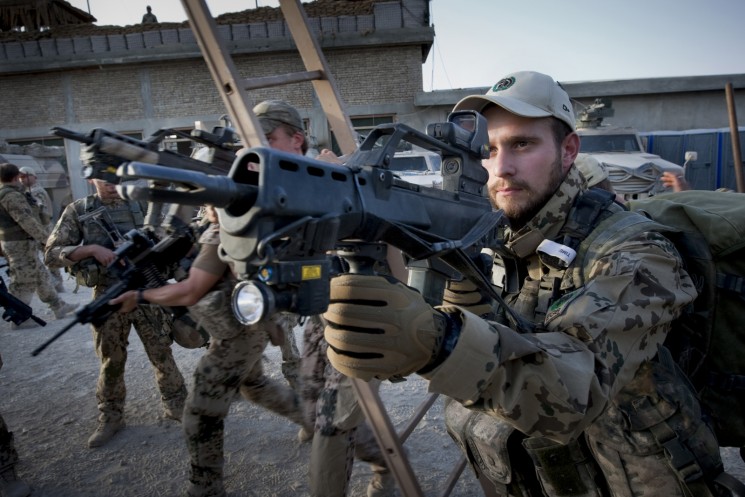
[{"x": 54, "y": 337}]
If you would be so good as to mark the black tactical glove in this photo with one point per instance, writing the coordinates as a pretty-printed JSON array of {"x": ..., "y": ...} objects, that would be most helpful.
[{"x": 380, "y": 329}]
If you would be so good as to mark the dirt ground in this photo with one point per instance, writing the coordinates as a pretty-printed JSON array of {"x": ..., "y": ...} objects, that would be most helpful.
[{"x": 49, "y": 403}]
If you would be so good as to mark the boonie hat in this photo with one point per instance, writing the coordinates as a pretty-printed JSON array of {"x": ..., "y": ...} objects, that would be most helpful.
[
  {"x": 272, "y": 113},
  {"x": 527, "y": 94},
  {"x": 27, "y": 171},
  {"x": 591, "y": 168}
]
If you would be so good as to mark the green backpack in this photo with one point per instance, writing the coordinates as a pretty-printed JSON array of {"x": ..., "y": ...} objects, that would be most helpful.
[{"x": 708, "y": 340}]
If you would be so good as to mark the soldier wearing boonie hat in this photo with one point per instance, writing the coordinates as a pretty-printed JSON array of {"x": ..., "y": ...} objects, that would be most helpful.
[{"x": 273, "y": 114}]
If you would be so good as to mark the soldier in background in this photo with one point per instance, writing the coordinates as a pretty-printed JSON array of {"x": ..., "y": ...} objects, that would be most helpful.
[
  {"x": 231, "y": 365},
  {"x": 22, "y": 235},
  {"x": 46, "y": 211},
  {"x": 82, "y": 241},
  {"x": 149, "y": 17}
]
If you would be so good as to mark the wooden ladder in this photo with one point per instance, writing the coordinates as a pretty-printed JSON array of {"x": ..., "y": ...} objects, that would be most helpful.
[{"x": 232, "y": 89}]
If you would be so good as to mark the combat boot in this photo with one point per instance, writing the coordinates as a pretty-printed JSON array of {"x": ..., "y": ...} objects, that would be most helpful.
[
  {"x": 174, "y": 410},
  {"x": 382, "y": 485},
  {"x": 105, "y": 431},
  {"x": 304, "y": 435},
  {"x": 62, "y": 309},
  {"x": 10, "y": 485},
  {"x": 205, "y": 482}
]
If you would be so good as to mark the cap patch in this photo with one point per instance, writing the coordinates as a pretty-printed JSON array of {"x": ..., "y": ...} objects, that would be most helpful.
[{"x": 503, "y": 84}]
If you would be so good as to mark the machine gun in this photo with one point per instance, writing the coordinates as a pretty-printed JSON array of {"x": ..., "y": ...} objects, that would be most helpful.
[
  {"x": 139, "y": 263},
  {"x": 281, "y": 217},
  {"x": 16, "y": 311},
  {"x": 106, "y": 150}
]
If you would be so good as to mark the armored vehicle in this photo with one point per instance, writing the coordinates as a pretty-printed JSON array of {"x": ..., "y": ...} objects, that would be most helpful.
[{"x": 633, "y": 172}]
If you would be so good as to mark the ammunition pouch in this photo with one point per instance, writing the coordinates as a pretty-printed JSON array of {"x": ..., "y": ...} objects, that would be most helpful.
[
  {"x": 511, "y": 462},
  {"x": 213, "y": 312},
  {"x": 563, "y": 470},
  {"x": 187, "y": 333},
  {"x": 87, "y": 272}
]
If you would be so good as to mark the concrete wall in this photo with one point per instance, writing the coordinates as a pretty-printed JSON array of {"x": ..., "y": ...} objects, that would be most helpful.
[{"x": 652, "y": 104}]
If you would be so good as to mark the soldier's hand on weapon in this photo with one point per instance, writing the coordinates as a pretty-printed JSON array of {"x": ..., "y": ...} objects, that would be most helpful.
[
  {"x": 379, "y": 329},
  {"x": 128, "y": 301},
  {"x": 103, "y": 255},
  {"x": 466, "y": 295},
  {"x": 327, "y": 155}
]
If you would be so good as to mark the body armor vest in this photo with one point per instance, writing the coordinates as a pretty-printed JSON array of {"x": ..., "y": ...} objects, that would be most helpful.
[
  {"x": 103, "y": 225},
  {"x": 9, "y": 228}
]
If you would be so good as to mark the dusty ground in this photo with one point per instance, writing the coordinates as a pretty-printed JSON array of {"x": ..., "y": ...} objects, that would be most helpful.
[{"x": 49, "y": 403}]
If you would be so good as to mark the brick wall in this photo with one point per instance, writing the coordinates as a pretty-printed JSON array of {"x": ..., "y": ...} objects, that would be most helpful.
[{"x": 183, "y": 88}]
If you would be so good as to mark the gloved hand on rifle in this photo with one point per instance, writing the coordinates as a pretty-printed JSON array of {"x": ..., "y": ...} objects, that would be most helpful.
[
  {"x": 466, "y": 295},
  {"x": 378, "y": 328}
]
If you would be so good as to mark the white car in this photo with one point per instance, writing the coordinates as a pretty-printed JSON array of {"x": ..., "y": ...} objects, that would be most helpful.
[{"x": 421, "y": 168}]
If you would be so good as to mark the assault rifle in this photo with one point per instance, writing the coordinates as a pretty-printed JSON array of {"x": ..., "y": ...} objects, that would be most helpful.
[
  {"x": 15, "y": 310},
  {"x": 139, "y": 263},
  {"x": 280, "y": 218},
  {"x": 106, "y": 150}
]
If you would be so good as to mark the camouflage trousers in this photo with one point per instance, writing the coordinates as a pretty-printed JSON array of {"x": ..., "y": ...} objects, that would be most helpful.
[
  {"x": 28, "y": 274},
  {"x": 231, "y": 365},
  {"x": 340, "y": 430},
  {"x": 111, "y": 340}
]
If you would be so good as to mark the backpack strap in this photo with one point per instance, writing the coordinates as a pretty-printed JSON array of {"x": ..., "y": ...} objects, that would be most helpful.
[
  {"x": 589, "y": 209},
  {"x": 611, "y": 231}
]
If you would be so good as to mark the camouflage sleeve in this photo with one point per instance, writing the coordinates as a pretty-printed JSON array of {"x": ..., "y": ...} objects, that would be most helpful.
[
  {"x": 66, "y": 236},
  {"x": 554, "y": 384},
  {"x": 19, "y": 209},
  {"x": 44, "y": 201}
]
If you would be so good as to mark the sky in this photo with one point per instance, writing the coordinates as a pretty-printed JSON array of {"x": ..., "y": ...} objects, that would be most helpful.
[{"x": 479, "y": 41}]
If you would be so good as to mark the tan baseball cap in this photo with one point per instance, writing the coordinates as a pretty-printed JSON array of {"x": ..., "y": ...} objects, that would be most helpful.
[
  {"x": 27, "y": 171},
  {"x": 527, "y": 94},
  {"x": 272, "y": 113}
]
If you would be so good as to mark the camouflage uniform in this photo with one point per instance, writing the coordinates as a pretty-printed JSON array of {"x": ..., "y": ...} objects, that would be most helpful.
[
  {"x": 111, "y": 337},
  {"x": 21, "y": 236},
  {"x": 232, "y": 364},
  {"x": 340, "y": 430},
  {"x": 45, "y": 214},
  {"x": 586, "y": 398}
]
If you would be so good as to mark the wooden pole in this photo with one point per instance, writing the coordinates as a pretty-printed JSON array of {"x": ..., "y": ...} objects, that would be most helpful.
[{"x": 735, "y": 137}]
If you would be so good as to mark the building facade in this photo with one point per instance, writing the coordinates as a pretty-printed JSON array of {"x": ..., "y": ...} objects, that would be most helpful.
[{"x": 139, "y": 79}]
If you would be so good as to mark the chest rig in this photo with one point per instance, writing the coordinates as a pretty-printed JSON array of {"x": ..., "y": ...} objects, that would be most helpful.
[
  {"x": 106, "y": 225},
  {"x": 534, "y": 272},
  {"x": 103, "y": 225}
]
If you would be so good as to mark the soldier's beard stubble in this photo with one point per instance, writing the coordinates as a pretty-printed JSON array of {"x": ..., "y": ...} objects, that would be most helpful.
[{"x": 520, "y": 211}]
